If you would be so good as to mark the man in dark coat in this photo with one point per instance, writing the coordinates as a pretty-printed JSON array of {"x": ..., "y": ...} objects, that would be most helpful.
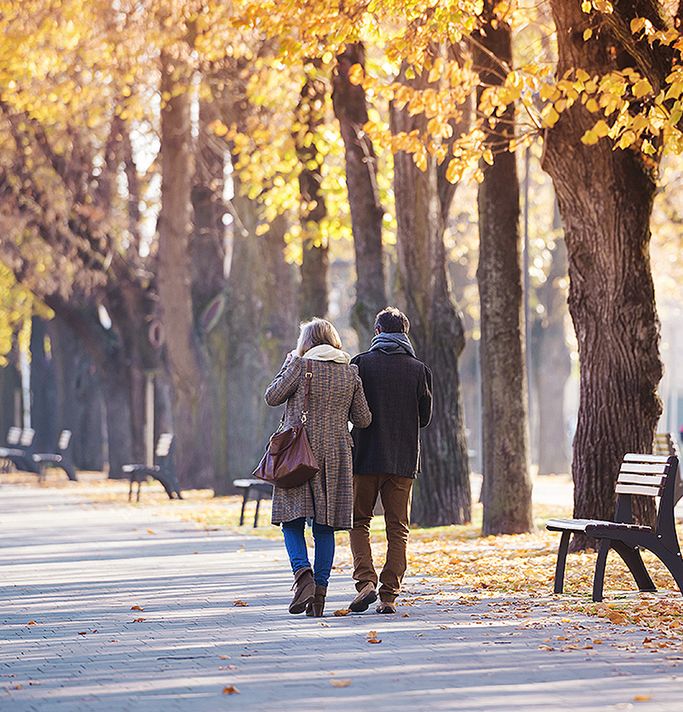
[{"x": 386, "y": 456}]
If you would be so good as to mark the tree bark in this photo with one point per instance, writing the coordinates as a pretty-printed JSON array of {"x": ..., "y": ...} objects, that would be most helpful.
[
  {"x": 611, "y": 294},
  {"x": 207, "y": 253},
  {"x": 351, "y": 111},
  {"x": 10, "y": 393},
  {"x": 442, "y": 492},
  {"x": 315, "y": 258},
  {"x": 191, "y": 414},
  {"x": 506, "y": 493},
  {"x": 43, "y": 392},
  {"x": 80, "y": 407},
  {"x": 552, "y": 365}
]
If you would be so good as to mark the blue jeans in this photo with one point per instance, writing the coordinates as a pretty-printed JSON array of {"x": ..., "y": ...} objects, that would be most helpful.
[{"x": 295, "y": 542}]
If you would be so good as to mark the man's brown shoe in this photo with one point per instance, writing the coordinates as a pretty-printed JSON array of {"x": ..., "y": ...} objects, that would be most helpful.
[
  {"x": 304, "y": 591},
  {"x": 365, "y": 597},
  {"x": 386, "y": 607}
]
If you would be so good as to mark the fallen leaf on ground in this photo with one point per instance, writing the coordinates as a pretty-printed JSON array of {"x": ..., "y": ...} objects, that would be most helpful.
[
  {"x": 238, "y": 602},
  {"x": 151, "y": 531},
  {"x": 224, "y": 657},
  {"x": 340, "y": 683},
  {"x": 642, "y": 698},
  {"x": 83, "y": 632},
  {"x": 372, "y": 637},
  {"x": 230, "y": 690},
  {"x": 137, "y": 608},
  {"x": 32, "y": 622},
  {"x": 138, "y": 620},
  {"x": 342, "y": 612}
]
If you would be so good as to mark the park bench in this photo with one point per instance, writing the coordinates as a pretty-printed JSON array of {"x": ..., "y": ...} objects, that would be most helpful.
[
  {"x": 61, "y": 458},
  {"x": 665, "y": 444},
  {"x": 20, "y": 454},
  {"x": 11, "y": 448},
  {"x": 162, "y": 470},
  {"x": 646, "y": 475},
  {"x": 261, "y": 489}
]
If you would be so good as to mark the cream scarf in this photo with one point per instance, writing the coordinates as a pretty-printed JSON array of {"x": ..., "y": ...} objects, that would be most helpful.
[{"x": 325, "y": 352}]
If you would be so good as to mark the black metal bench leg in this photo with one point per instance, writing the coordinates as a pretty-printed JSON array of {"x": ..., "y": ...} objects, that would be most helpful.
[
  {"x": 139, "y": 486},
  {"x": 561, "y": 561},
  {"x": 600, "y": 564},
  {"x": 130, "y": 490},
  {"x": 244, "y": 504},
  {"x": 673, "y": 563},
  {"x": 634, "y": 561},
  {"x": 258, "y": 506}
]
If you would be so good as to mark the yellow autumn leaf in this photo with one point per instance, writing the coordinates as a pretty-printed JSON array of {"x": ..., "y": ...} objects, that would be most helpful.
[
  {"x": 356, "y": 74},
  {"x": 642, "y": 88},
  {"x": 587, "y": 34}
]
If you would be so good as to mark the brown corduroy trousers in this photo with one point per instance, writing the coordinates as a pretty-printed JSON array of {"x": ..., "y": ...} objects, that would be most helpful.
[{"x": 394, "y": 492}]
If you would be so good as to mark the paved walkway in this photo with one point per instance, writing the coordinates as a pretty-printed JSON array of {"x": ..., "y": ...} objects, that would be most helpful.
[{"x": 75, "y": 570}]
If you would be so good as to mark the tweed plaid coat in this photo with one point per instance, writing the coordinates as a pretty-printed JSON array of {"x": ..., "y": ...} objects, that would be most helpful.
[{"x": 336, "y": 397}]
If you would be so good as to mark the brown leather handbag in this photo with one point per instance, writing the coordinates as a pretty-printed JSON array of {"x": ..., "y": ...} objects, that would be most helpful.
[{"x": 289, "y": 460}]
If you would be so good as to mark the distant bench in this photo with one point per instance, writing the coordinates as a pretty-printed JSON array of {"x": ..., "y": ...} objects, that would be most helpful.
[
  {"x": 249, "y": 486},
  {"x": 61, "y": 458},
  {"x": 19, "y": 450},
  {"x": 163, "y": 470}
]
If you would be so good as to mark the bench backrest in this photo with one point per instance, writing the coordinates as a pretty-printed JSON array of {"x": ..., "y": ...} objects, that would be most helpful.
[
  {"x": 64, "y": 440},
  {"x": 648, "y": 476},
  {"x": 164, "y": 445},
  {"x": 13, "y": 435},
  {"x": 26, "y": 439}
]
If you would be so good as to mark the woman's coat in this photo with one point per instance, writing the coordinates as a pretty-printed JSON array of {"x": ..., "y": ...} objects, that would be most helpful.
[{"x": 336, "y": 396}]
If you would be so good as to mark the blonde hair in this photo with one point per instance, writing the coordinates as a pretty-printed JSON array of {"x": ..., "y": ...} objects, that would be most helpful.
[{"x": 316, "y": 332}]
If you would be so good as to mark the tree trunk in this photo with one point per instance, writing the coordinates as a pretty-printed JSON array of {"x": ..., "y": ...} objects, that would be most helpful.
[
  {"x": 506, "y": 485},
  {"x": 43, "y": 394},
  {"x": 315, "y": 259},
  {"x": 611, "y": 294},
  {"x": 442, "y": 492},
  {"x": 191, "y": 414},
  {"x": 361, "y": 181},
  {"x": 552, "y": 365},
  {"x": 80, "y": 407},
  {"x": 10, "y": 393},
  {"x": 207, "y": 252}
]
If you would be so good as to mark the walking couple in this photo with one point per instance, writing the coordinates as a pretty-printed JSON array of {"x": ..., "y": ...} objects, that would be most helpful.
[{"x": 386, "y": 393}]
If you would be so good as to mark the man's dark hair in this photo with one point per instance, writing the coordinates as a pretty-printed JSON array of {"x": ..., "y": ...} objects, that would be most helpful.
[{"x": 392, "y": 321}]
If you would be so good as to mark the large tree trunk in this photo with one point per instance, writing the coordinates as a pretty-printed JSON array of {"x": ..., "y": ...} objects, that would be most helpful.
[
  {"x": 80, "y": 407},
  {"x": 207, "y": 252},
  {"x": 191, "y": 414},
  {"x": 442, "y": 492},
  {"x": 315, "y": 259},
  {"x": 506, "y": 485},
  {"x": 10, "y": 393},
  {"x": 552, "y": 365},
  {"x": 361, "y": 181},
  {"x": 611, "y": 294},
  {"x": 43, "y": 392}
]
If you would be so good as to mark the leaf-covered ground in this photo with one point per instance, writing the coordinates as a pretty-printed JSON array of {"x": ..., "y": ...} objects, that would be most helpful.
[{"x": 520, "y": 567}]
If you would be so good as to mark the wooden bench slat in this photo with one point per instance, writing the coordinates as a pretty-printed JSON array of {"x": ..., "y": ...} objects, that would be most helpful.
[
  {"x": 654, "y": 469},
  {"x": 635, "y": 457},
  {"x": 638, "y": 489},
  {"x": 634, "y": 479}
]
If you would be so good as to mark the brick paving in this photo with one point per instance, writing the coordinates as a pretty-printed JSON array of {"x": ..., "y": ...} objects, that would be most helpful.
[{"x": 69, "y": 641}]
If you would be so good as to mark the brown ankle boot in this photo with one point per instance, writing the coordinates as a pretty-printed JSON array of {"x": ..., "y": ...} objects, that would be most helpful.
[
  {"x": 316, "y": 607},
  {"x": 304, "y": 591}
]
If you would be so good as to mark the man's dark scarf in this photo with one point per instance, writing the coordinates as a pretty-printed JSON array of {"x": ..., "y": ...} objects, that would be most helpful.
[{"x": 392, "y": 343}]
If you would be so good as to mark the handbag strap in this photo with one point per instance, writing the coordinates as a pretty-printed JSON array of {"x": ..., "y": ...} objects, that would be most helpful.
[{"x": 308, "y": 377}]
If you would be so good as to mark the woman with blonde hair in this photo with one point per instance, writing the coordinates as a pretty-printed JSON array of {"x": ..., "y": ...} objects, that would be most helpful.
[{"x": 335, "y": 397}]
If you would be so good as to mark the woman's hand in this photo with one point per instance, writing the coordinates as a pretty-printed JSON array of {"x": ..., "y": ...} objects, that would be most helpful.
[{"x": 290, "y": 356}]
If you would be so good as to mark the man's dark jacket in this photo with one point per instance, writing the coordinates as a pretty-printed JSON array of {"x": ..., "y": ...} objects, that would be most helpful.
[{"x": 398, "y": 388}]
